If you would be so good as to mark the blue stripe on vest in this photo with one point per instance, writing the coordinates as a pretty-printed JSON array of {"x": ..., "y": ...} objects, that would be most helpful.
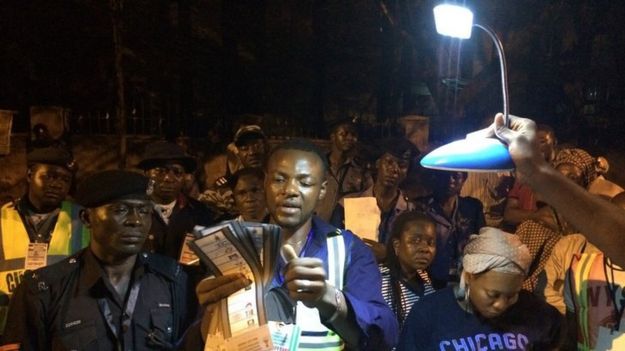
[{"x": 76, "y": 230}]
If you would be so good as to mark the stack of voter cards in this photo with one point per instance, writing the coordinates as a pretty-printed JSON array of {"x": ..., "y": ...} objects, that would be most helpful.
[{"x": 235, "y": 247}]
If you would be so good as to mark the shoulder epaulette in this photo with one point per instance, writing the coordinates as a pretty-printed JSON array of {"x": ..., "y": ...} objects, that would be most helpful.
[{"x": 163, "y": 265}]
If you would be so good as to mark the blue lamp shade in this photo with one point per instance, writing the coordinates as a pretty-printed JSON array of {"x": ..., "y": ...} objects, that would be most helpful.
[
  {"x": 474, "y": 155},
  {"x": 453, "y": 21}
]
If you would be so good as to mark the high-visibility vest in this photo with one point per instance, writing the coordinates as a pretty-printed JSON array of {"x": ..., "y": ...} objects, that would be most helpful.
[
  {"x": 314, "y": 335},
  {"x": 68, "y": 237},
  {"x": 586, "y": 272}
]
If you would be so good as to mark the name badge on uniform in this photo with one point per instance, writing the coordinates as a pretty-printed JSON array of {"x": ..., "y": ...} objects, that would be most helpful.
[
  {"x": 37, "y": 256},
  {"x": 187, "y": 256},
  {"x": 610, "y": 340}
]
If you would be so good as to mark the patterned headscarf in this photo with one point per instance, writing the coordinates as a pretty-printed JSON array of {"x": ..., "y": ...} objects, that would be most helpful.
[
  {"x": 581, "y": 159},
  {"x": 495, "y": 250}
]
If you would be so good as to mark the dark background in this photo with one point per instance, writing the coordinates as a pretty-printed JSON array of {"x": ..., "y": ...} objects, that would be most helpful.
[{"x": 192, "y": 66}]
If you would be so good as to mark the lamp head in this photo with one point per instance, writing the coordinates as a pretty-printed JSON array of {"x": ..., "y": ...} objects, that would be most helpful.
[
  {"x": 473, "y": 155},
  {"x": 453, "y": 20}
]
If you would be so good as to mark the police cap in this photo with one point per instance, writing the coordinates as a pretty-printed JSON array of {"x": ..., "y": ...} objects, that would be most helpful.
[
  {"x": 160, "y": 152},
  {"x": 107, "y": 186},
  {"x": 52, "y": 155}
]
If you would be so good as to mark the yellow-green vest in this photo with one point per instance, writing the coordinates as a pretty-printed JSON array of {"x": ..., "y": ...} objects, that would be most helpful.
[
  {"x": 587, "y": 271},
  {"x": 68, "y": 237}
]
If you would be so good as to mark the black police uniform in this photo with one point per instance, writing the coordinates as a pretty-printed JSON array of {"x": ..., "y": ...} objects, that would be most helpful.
[
  {"x": 71, "y": 305},
  {"x": 167, "y": 239}
]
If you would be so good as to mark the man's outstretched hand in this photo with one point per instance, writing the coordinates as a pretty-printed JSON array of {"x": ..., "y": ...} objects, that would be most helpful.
[
  {"x": 305, "y": 277},
  {"x": 520, "y": 137}
]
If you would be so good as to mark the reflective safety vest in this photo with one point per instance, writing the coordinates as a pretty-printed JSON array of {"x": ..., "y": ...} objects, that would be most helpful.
[
  {"x": 580, "y": 270},
  {"x": 68, "y": 237},
  {"x": 593, "y": 301},
  {"x": 314, "y": 335}
]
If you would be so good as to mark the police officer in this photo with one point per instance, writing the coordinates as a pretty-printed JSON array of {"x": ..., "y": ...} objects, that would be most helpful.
[
  {"x": 175, "y": 214},
  {"x": 109, "y": 296},
  {"x": 41, "y": 227}
]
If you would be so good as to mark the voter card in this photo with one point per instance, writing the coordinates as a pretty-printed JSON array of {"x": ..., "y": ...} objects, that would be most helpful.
[
  {"x": 256, "y": 339},
  {"x": 225, "y": 253},
  {"x": 255, "y": 233},
  {"x": 37, "y": 256},
  {"x": 187, "y": 256},
  {"x": 285, "y": 337}
]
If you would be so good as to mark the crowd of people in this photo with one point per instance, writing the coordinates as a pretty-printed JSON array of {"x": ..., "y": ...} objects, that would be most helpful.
[{"x": 529, "y": 260}]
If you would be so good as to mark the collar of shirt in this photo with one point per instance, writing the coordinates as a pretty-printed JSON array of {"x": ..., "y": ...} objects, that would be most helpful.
[
  {"x": 317, "y": 240},
  {"x": 437, "y": 212},
  {"x": 93, "y": 273},
  {"x": 165, "y": 210},
  {"x": 401, "y": 203},
  {"x": 349, "y": 162}
]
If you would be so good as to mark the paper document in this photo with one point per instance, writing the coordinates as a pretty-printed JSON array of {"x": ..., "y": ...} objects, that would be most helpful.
[{"x": 362, "y": 217}]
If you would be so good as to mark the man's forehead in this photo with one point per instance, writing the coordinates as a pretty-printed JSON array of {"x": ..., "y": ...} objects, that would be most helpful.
[
  {"x": 294, "y": 160},
  {"x": 390, "y": 157},
  {"x": 293, "y": 156},
  {"x": 169, "y": 163},
  {"x": 348, "y": 127},
  {"x": 50, "y": 167},
  {"x": 247, "y": 181}
]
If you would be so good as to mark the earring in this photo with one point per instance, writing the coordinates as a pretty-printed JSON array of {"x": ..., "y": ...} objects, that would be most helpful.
[{"x": 467, "y": 301}]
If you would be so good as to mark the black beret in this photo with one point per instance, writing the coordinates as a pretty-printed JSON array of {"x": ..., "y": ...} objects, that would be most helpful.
[
  {"x": 106, "y": 186},
  {"x": 158, "y": 153},
  {"x": 52, "y": 155}
]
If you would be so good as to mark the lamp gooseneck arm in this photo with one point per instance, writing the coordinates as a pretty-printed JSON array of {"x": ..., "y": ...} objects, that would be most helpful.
[{"x": 503, "y": 67}]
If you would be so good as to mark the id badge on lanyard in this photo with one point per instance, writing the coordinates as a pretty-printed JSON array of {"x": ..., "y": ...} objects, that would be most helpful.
[{"x": 37, "y": 256}]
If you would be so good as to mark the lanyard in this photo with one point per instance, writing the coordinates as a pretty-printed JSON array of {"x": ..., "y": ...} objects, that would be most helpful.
[
  {"x": 105, "y": 309},
  {"x": 42, "y": 233}
]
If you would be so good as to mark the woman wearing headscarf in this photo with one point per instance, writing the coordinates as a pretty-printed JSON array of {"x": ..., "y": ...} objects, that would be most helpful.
[
  {"x": 487, "y": 310},
  {"x": 541, "y": 236},
  {"x": 410, "y": 250}
]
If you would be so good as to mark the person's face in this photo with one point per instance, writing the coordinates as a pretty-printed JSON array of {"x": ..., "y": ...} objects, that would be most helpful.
[
  {"x": 118, "y": 229},
  {"x": 249, "y": 198},
  {"x": 449, "y": 183},
  {"x": 391, "y": 171},
  {"x": 492, "y": 293},
  {"x": 416, "y": 246},
  {"x": 252, "y": 153},
  {"x": 344, "y": 137},
  {"x": 48, "y": 185},
  {"x": 546, "y": 144},
  {"x": 572, "y": 172},
  {"x": 168, "y": 181},
  {"x": 294, "y": 183}
]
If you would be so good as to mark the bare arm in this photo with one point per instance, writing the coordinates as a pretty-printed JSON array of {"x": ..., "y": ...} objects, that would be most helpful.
[{"x": 602, "y": 222}]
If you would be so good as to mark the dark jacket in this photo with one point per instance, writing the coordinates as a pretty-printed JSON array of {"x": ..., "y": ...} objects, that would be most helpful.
[
  {"x": 71, "y": 305},
  {"x": 167, "y": 239}
]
